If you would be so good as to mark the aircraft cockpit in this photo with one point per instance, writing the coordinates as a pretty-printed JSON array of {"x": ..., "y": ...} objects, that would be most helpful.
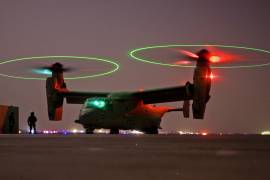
[{"x": 96, "y": 103}]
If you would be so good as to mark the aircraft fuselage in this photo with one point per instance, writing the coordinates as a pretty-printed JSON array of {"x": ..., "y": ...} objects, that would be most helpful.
[{"x": 120, "y": 112}]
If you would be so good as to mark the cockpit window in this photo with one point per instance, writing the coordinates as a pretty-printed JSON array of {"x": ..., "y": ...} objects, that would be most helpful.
[{"x": 99, "y": 103}]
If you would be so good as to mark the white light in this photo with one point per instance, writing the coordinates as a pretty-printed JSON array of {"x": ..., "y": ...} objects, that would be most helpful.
[
  {"x": 181, "y": 132},
  {"x": 185, "y": 132},
  {"x": 102, "y": 131},
  {"x": 265, "y": 133},
  {"x": 74, "y": 131},
  {"x": 136, "y": 132},
  {"x": 204, "y": 133}
]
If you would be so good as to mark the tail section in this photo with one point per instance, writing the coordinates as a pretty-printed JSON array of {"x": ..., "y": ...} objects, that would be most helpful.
[{"x": 54, "y": 86}]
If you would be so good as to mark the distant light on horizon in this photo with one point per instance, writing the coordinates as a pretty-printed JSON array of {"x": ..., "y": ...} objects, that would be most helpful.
[
  {"x": 187, "y": 132},
  {"x": 265, "y": 133},
  {"x": 204, "y": 133},
  {"x": 74, "y": 131},
  {"x": 102, "y": 131},
  {"x": 136, "y": 132}
]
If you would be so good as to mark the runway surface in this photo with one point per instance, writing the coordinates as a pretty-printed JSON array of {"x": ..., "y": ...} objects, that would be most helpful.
[{"x": 151, "y": 157}]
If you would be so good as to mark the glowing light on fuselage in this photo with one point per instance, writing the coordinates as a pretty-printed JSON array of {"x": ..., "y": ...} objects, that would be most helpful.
[
  {"x": 99, "y": 103},
  {"x": 95, "y": 103}
]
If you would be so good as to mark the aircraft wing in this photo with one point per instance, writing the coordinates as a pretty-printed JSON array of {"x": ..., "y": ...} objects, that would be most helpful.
[
  {"x": 73, "y": 97},
  {"x": 179, "y": 93}
]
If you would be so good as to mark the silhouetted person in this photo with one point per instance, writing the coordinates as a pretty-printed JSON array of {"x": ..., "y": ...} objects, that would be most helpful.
[
  {"x": 11, "y": 122},
  {"x": 32, "y": 122}
]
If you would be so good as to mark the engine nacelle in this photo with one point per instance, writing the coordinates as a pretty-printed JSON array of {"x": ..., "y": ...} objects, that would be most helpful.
[
  {"x": 54, "y": 86},
  {"x": 186, "y": 104},
  {"x": 54, "y": 101},
  {"x": 201, "y": 87}
]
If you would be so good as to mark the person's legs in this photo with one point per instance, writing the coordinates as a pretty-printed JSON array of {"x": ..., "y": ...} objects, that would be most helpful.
[
  {"x": 34, "y": 127},
  {"x": 30, "y": 132}
]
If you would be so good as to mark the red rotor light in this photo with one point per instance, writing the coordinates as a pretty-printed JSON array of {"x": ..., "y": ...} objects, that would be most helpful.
[
  {"x": 210, "y": 76},
  {"x": 214, "y": 59}
]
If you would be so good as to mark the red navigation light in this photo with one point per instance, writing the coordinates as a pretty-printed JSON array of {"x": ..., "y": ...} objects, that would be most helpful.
[
  {"x": 214, "y": 59},
  {"x": 211, "y": 76}
]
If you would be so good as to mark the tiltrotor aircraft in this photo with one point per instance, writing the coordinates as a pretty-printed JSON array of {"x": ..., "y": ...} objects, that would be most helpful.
[{"x": 129, "y": 110}]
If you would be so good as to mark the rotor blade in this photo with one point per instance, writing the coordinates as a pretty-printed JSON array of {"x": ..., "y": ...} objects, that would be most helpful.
[
  {"x": 47, "y": 70},
  {"x": 182, "y": 62},
  {"x": 189, "y": 55}
]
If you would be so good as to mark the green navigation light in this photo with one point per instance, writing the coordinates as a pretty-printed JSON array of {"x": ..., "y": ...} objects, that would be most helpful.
[
  {"x": 99, "y": 103},
  {"x": 95, "y": 103}
]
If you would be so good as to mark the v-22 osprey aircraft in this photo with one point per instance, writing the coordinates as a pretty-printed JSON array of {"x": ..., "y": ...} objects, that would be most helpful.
[{"x": 130, "y": 110}]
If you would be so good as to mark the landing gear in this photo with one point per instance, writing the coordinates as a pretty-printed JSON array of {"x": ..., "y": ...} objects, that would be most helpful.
[
  {"x": 151, "y": 131},
  {"x": 114, "y": 131},
  {"x": 89, "y": 130}
]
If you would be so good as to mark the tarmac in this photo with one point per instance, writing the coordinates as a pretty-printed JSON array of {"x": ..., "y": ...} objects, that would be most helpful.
[{"x": 140, "y": 157}]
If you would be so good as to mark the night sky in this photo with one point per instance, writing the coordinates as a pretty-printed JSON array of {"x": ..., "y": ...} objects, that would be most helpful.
[{"x": 240, "y": 99}]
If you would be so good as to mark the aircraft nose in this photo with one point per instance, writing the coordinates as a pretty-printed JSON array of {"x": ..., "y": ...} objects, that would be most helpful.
[
  {"x": 77, "y": 121},
  {"x": 85, "y": 115}
]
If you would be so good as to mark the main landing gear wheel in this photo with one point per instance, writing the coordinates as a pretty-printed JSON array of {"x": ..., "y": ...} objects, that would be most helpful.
[
  {"x": 89, "y": 130},
  {"x": 114, "y": 131}
]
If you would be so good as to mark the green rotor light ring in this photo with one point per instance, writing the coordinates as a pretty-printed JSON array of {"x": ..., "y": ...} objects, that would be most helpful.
[
  {"x": 114, "y": 69},
  {"x": 133, "y": 52}
]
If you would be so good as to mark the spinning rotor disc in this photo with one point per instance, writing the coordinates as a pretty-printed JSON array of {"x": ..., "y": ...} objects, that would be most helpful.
[
  {"x": 135, "y": 54},
  {"x": 114, "y": 66}
]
